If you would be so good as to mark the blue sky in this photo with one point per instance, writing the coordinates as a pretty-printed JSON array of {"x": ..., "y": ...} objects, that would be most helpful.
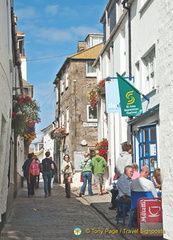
[{"x": 52, "y": 29}]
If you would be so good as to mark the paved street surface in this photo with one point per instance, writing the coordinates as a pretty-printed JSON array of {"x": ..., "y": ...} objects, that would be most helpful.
[{"x": 56, "y": 217}]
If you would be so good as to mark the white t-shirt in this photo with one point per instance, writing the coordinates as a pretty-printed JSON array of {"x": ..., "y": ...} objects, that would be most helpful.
[{"x": 142, "y": 184}]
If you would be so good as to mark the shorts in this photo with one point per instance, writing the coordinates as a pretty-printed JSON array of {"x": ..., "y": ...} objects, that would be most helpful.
[{"x": 99, "y": 179}]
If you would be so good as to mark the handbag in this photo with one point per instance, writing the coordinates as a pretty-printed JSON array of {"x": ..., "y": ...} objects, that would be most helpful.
[
  {"x": 69, "y": 180},
  {"x": 81, "y": 178},
  {"x": 115, "y": 177}
]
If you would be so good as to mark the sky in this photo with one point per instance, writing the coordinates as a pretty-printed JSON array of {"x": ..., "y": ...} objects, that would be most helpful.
[{"x": 52, "y": 30}]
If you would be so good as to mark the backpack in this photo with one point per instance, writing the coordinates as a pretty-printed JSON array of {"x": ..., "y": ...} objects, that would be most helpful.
[{"x": 34, "y": 169}]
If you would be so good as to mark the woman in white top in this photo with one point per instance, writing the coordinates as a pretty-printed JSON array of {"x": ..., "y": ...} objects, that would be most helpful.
[{"x": 68, "y": 171}]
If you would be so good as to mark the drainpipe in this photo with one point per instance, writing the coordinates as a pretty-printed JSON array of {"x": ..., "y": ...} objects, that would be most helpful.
[
  {"x": 127, "y": 7},
  {"x": 16, "y": 50},
  {"x": 58, "y": 120}
]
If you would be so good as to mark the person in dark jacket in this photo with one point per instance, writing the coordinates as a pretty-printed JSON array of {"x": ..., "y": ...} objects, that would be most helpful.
[
  {"x": 29, "y": 177},
  {"x": 47, "y": 173}
]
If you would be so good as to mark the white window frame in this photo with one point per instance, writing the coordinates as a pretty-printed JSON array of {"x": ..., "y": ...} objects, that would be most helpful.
[
  {"x": 67, "y": 120},
  {"x": 66, "y": 79},
  {"x": 62, "y": 120},
  {"x": 149, "y": 64},
  {"x": 90, "y": 73},
  {"x": 88, "y": 117},
  {"x": 62, "y": 85}
]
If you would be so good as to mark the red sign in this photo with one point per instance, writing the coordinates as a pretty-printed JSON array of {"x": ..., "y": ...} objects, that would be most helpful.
[
  {"x": 150, "y": 217},
  {"x": 150, "y": 211}
]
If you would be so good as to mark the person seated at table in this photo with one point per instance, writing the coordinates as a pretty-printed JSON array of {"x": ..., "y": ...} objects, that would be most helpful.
[
  {"x": 124, "y": 183},
  {"x": 142, "y": 184},
  {"x": 113, "y": 190},
  {"x": 157, "y": 178},
  {"x": 136, "y": 174}
]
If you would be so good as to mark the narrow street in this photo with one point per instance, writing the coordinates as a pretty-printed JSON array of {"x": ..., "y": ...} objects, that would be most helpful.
[{"x": 55, "y": 217}]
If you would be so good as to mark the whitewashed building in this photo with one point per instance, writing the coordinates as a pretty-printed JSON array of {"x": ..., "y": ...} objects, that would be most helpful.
[
  {"x": 48, "y": 143},
  {"x": 138, "y": 44},
  {"x": 164, "y": 74},
  {"x": 130, "y": 49},
  {"x": 10, "y": 80}
]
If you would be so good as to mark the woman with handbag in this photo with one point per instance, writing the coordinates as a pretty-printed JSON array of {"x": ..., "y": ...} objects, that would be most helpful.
[
  {"x": 68, "y": 171},
  {"x": 86, "y": 174}
]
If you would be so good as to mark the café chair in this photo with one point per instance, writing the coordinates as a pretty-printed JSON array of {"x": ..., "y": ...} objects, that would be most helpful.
[
  {"x": 134, "y": 201},
  {"x": 121, "y": 208}
]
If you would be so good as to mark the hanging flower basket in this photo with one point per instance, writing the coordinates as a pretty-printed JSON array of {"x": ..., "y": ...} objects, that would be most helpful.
[
  {"x": 93, "y": 98},
  {"x": 24, "y": 116},
  {"x": 102, "y": 146},
  {"x": 97, "y": 93},
  {"x": 101, "y": 88},
  {"x": 58, "y": 133}
]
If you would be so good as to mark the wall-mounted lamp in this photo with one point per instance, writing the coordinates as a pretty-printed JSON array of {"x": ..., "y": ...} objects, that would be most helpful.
[{"x": 84, "y": 143}]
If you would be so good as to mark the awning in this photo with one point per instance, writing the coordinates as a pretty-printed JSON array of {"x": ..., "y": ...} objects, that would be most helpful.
[{"x": 145, "y": 115}]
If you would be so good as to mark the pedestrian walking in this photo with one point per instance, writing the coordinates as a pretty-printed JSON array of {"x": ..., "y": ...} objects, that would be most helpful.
[
  {"x": 98, "y": 166},
  {"x": 48, "y": 167},
  {"x": 68, "y": 171},
  {"x": 54, "y": 171},
  {"x": 86, "y": 166},
  {"x": 37, "y": 177},
  {"x": 29, "y": 177}
]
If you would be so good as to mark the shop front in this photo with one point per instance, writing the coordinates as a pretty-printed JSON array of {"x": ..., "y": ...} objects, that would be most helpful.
[{"x": 145, "y": 134}]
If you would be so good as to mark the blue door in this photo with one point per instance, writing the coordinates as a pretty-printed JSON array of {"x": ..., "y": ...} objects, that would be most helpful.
[{"x": 147, "y": 146}]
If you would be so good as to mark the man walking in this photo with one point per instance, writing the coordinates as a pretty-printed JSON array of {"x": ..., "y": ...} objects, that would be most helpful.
[
  {"x": 98, "y": 166},
  {"x": 47, "y": 173}
]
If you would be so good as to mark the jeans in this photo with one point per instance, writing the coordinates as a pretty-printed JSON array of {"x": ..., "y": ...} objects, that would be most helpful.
[
  {"x": 47, "y": 182},
  {"x": 87, "y": 176}
]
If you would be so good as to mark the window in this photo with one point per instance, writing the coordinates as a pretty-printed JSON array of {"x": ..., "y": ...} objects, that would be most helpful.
[
  {"x": 62, "y": 86},
  {"x": 67, "y": 120},
  {"x": 91, "y": 114},
  {"x": 62, "y": 119},
  {"x": 147, "y": 146},
  {"x": 149, "y": 65},
  {"x": 90, "y": 70},
  {"x": 66, "y": 79},
  {"x": 57, "y": 94},
  {"x": 112, "y": 16}
]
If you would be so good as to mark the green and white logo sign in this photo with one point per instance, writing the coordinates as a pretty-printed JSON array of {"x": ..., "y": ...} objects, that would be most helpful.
[{"x": 130, "y": 98}]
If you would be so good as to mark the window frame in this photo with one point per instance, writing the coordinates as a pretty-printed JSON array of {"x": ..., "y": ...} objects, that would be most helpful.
[
  {"x": 92, "y": 119},
  {"x": 88, "y": 73}
]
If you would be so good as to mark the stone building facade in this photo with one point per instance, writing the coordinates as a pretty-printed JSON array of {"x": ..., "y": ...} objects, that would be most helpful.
[{"x": 75, "y": 78}]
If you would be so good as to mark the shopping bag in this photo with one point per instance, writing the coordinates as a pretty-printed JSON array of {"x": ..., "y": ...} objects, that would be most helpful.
[{"x": 81, "y": 178}]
